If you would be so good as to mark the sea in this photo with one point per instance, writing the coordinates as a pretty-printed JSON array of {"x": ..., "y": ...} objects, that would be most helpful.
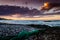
[{"x": 38, "y": 22}]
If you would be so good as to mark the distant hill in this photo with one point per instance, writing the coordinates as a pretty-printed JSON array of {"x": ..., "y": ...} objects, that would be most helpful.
[{"x": 52, "y": 21}]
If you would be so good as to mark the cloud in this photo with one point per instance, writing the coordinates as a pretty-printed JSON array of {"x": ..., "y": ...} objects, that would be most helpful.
[
  {"x": 22, "y": 11},
  {"x": 7, "y": 10},
  {"x": 53, "y": 11},
  {"x": 16, "y": 11},
  {"x": 25, "y": 3},
  {"x": 52, "y": 1},
  {"x": 54, "y": 8}
]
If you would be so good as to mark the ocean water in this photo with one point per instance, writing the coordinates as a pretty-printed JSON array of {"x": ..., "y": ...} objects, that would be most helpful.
[{"x": 51, "y": 23}]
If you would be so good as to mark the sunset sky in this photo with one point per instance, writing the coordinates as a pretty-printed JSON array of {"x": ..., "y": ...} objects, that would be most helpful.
[{"x": 30, "y": 4}]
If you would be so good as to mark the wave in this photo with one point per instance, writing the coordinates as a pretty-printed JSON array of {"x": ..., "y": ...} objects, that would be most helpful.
[
  {"x": 24, "y": 22},
  {"x": 23, "y": 32}
]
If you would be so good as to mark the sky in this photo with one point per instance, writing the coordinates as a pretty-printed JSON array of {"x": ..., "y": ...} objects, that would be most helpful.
[
  {"x": 31, "y": 3},
  {"x": 28, "y": 13}
]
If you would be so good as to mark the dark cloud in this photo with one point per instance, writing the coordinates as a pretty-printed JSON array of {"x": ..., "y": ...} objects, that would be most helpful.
[
  {"x": 52, "y": 1},
  {"x": 55, "y": 5},
  {"x": 10, "y": 10},
  {"x": 24, "y": 11}
]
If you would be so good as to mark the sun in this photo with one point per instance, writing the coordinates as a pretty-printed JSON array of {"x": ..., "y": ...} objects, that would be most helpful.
[{"x": 46, "y": 5}]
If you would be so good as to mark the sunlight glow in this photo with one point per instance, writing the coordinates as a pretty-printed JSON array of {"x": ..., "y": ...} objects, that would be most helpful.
[
  {"x": 46, "y": 5},
  {"x": 48, "y": 17},
  {"x": 16, "y": 15}
]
